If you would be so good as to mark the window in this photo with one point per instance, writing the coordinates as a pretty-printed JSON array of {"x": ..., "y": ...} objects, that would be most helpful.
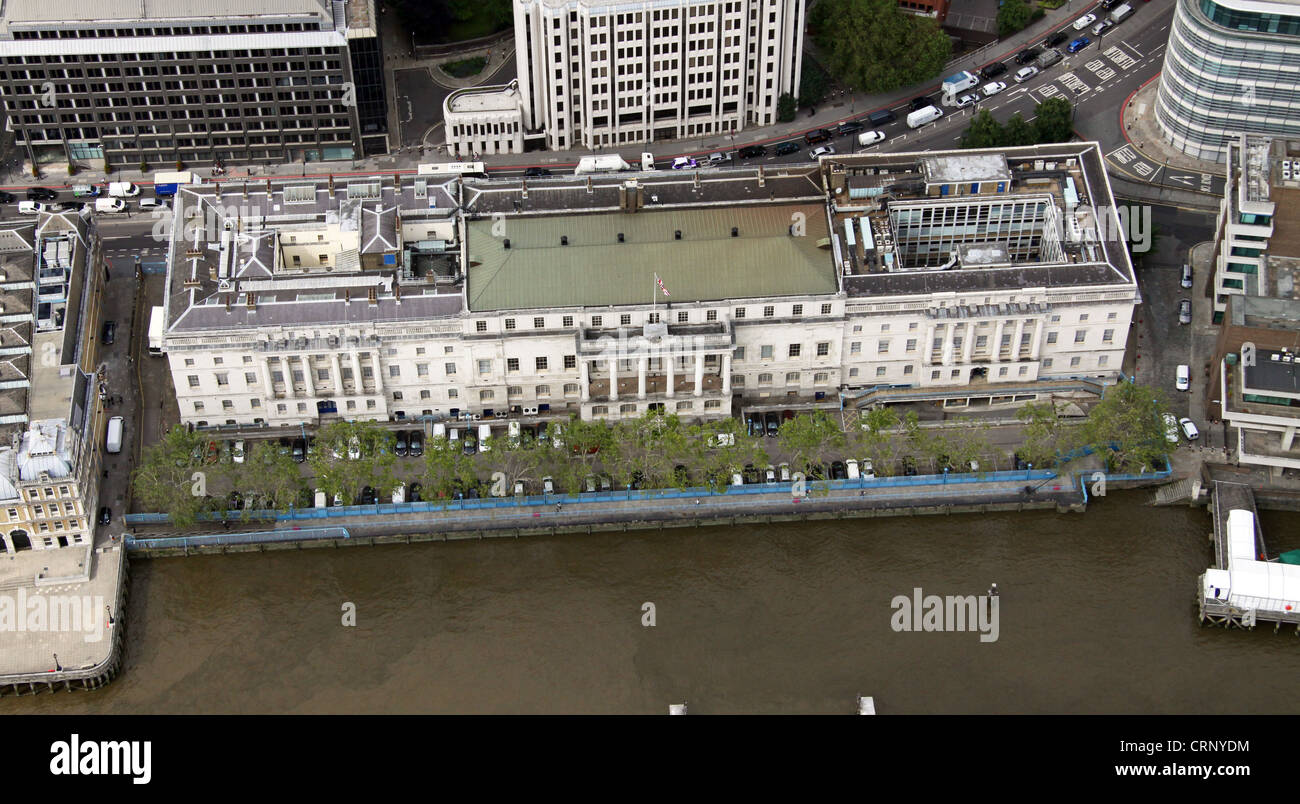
[
  {"x": 541, "y": 363},
  {"x": 449, "y": 368},
  {"x": 512, "y": 364},
  {"x": 1074, "y": 362},
  {"x": 223, "y": 379},
  {"x": 739, "y": 354},
  {"x": 595, "y": 320},
  {"x": 570, "y": 388},
  {"x": 1051, "y": 337},
  {"x": 880, "y": 371},
  {"x": 1103, "y": 360},
  {"x": 1047, "y": 362},
  {"x": 1079, "y": 335},
  {"x": 542, "y": 390},
  {"x": 624, "y": 320},
  {"x": 193, "y": 381},
  {"x": 765, "y": 379},
  {"x": 198, "y": 407},
  {"x": 1083, "y": 317},
  {"x": 769, "y": 311},
  {"x": 510, "y": 323},
  {"x": 1024, "y": 370},
  {"x": 485, "y": 367},
  {"x": 711, "y": 315},
  {"x": 422, "y": 369},
  {"x": 514, "y": 390},
  {"x": 911, "y": 344},
  {"x": 740, "y": 312},
  {"x": 823, "y": 349},
  {"x": 227, "y": 404},
  {"x": 1002, "y": 371},
  {"x": 568, "y": 321},
  {"x": 480, "y": 326},
  {"x": 934, "y": 375},
  {"x": 795, "y": 349},
  {"x": 250, "y": 378},
  {"x": 855, "y": 348},
  {"x": 394, "y": 371},
  {"x": 853, "y": 372},
  {"x": 452, "y": 393},
  {"x": 792, "y": 378},
  {"x": 796, "y": 310},
  {"x": 765, "y": 352},
  {"x": 683, "y": 317},
  {"x": 907, "y": 369},
  {"x": 826, "y": 309},
  {"x": 485, "y": 396},
  {"x": 599, "y": 410},
  {"x": 882, "y": 347},
  {"x": 539, "y": 323},
  {"x": 1108, "y": 336}
]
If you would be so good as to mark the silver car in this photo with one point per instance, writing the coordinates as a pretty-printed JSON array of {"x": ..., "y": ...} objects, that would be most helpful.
[{"x": 1185, "y": 311}]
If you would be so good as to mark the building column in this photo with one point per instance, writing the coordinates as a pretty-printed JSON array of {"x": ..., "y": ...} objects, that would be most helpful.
[
  {"x": 584, "y": 380},
  {"x": 266, "y": 379},
  {"x": 927, "y": 348},
  {"x": 950, "y": 333},
  {"x": 1015, "y": 339},
  {"x": 726, "y": 373},
  {"x": 641, "y": 366},
  {"x": 1040, "y": 333},
  {"x": 355, "y": 359},
  {"x": 289, "y": 385},
  {"x": 670, "y": 362},
  {"x": 613, "y": 379},
  {"x": 379, "y": 379},
  {"x": 997, "y": 340},
  {"x": 338, "y": 374},
  {"x": 968, "y": 344},
  {"x": 699, "y": 373},
  {"x": 1288, "y": 438}
]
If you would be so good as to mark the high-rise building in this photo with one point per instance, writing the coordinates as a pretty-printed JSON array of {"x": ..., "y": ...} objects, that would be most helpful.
[
  {"x": 160, "y": 81},
  {"x": 626, "y": 71},
  {"x": 1232, "y": 66}
]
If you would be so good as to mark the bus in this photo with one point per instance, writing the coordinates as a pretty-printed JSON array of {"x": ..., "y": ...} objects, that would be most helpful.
[{"x": 449, "y": 169}]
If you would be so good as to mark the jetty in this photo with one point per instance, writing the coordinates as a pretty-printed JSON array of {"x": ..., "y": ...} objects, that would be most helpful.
[{"x": 1244, "y": 588}]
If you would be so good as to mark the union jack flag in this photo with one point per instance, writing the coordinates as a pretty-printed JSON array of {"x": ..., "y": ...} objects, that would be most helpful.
[{"x": 660, "y": 282}]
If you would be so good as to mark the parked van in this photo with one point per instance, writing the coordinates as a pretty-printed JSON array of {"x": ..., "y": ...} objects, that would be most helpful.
[
  {"x": 321, "y": 500},
  {"x": 399, "y": 493},
  {"x": 31, "y": 207},
  {"x": 113, "y": 441},
  {"x": 924, "y": 116},
  {"x": 512, "y": 432},
  {"x": 84, "y": 191},
  {"x": 110, "y": 205},
  {"x": 484, "y": 433},
  {"x": 647, "y": 161},
  {"x": 452, "y": 434},
  {"x": 122, "y": 189},
  {"x": 1117, "y": 16},
  {"x": 881, "y": 117},
  {"x": 1048, "y": 58}
]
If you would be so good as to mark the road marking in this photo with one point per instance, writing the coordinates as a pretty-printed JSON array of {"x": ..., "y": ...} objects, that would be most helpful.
[
  {"x": 1130, "y": 47},
  {"x": 1143, "y": 169},
  {"x": 1185, "y": 180},
  {"x": 1073, "y": 83},
  {"x": 1103, "y": 72},
  {"x": 1047, "y": 90},
  {"x": 1122, "y": 59}
]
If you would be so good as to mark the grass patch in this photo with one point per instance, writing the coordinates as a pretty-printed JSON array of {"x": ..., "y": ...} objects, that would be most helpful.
[
  {"x": 464, "y": 68},
  {"x": 1051, "y": 4}
]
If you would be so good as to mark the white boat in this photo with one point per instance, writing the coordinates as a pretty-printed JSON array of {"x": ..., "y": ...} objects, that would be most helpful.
[{"x": 866, "y": 705}]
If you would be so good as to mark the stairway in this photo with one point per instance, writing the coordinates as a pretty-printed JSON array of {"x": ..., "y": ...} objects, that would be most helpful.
[{"x": 1180, "y": 491}]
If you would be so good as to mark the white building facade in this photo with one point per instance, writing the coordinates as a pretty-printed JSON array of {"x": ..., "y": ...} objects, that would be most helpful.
[
  {"x": 484, "y": 120},
  {"x": 605, "y": 74}
]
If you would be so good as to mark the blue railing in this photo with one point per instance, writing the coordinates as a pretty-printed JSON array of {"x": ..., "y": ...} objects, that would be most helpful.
[
  {"x": 248, "y": 537},
  {"x": 1085, "y": 478}
]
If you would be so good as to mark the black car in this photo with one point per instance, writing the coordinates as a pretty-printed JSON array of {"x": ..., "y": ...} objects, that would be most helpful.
[
  {"x": 298, "y": 451},
  {"x": 1027, "y": 55},
  {"x": 534, "y": 172},
  {"x": 416, "y": 444},
  {"x": 470, "y": 447},
  {"x": 413, "y": 493},
  {"x": 750, "y": 474},
  {"x": 773, "y": 423},
  {"x": 751, "y": 151},
  {"x": 909, "y": 466},
  {"x": 70, "y": 206},
  {"x": 7, "y": 198},
  {"x": 41, "y": 194},
  {"x": 110, "y": 333},
  {"x": 994, "y": 69},
  {"x": 814, "y": 137},
  {"x": 787, "y": 148},
  {"x": 922, "y": 102},
  {"x": 838, "y": 472},
  {"x": 105, "y": 515},
  {"x": 368, "y": 496},
  {"x": 399, "y": 448},
  {"x": 850, "y": 127},
  {"x": 1109, "y": 4},
  {"x": 1055, "y": 39}
]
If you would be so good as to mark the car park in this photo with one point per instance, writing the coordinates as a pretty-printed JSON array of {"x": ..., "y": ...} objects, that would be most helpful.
[
  {"x": 967, "y": 100},
  {"x": 684, "y": 163},
  {"x": 1183, "y": 377},
  {"x": 536, "y": 172},
  {"x": 820, "y": 151},
  {"x": 110, "y": 333},
  {"x": 849, "y": 127},
  {"x": 1079, "y": 44},
  {"x": 1025, "y": 73},
  {"x": 1171, "y": 428},
  {"x": 1187, "y": 276},
  {"x": 1027, "y": 55},
  {"x": 816, "y": 136},
  {"x": 1101, "y": 27},
  {"x": 1055, "y": 39},
  {"x": 871, "y": 137},
  {"x": 1189, "y": 429},
  {"x": 752, "y": 151},
  {"x": 992, "y": 70},
  {"x": 1185, "y": 311},
  {"x": 993, "y": 88},
  {"x": 1084, "y": 21}
]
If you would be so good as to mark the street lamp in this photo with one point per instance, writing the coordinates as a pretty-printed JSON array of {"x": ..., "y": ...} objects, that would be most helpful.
[
  {"x": 945, "y": 475},
  {"x": 1028, "y": 470}
]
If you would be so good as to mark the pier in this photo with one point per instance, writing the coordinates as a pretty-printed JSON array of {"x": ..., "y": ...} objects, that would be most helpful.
[{"x": 1244, "y": 588}]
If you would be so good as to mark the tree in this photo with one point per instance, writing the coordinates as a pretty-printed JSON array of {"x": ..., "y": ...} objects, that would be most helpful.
[
  {"x": 266, "y": 473},
  {"x": 876, "y": 440},
  {"x": 1054, "y": 121},
  {"x": 720, "y": 449},
  {"x": 585, "y": 442},
  {"x": 785, "y": 108},
  {"x": 171, "y": 477},
  {"x": 810, "y": 438},
  {"x": 446, "y": 467},
  {"x": 1126, "y": 428},
  {"x": 812, "y": 83},
  {"x": 338, "y": 473},
  {"x": 1041, "y": 433},
  {"x": 1018, "y": 131},
  {"x": 984, "y": 132},
  {"x": 874, "y": 46},
  {"x": 516, "y": 459},
  {"x": 1012, "y": 16}
]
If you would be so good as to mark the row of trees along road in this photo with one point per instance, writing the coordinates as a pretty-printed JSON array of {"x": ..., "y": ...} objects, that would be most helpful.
[{"x": 184, "y": 476}]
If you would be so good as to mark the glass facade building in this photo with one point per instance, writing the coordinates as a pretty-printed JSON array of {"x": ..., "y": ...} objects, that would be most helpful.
[{"x": 1231, "y": 66}]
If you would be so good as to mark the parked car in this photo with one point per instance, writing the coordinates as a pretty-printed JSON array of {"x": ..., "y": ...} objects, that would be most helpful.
[
  {"x": 548, "y": 485},
  {"x": 922, "y": 102},
  {"x": 110, "y": 333},
  {"x": 105, "y": 515},
  {"x": 471, "y": 446},
  {"x": 1027, "y": 55},
  {"x": 820, "y": 151},
  {"x": 299, "y": 452},
  {"x": 1025, "y": 73},
  {"x": 816, "y": 136},
  {"x": 752, "y": 151},
  {"x": 354, "y": 449},
  {"x": 769, "y": 474},
  {"x": 368, "y": 496},
  {"x": 719, "y": 158},
  {"x": 754, "y": 422},
  {"x": 849, "y": 127},
  {"x": 1183, "y": 377},
  {"x": 993, "y": 70},
  {"x": 1185, "y": 311},
  {"x": 909, "y": 466},
  {"x": 413, "y": 493},
  {"x": 237, "y": 453},
  {"x": 684, "y": 163},
  {"x": 838, "y": 470},
  {"x": 994, "y": 87},
  {"x": 41, "y": 194},
  {"x": 70, "y": 206},
  {"x": 968, "y": 100},
  {"x": 1079, "y": 44},
  {"x": 1171, "y": 428},
  {"x": 783, "y": 471},
  {"x": 868, "y": 469},
  {"x": 32, "y": 207},
  {"x": 871, "y": 137},
  {"x": 1189, "y": 429},
  {"x": 1084, "y": 21},
  {"x": 772, "y": 424},
  {"x": 536, "y": 172},
  {"x": 415, "y": 444},
  {"x": 787, "y": 148},
  {"x": 1055, "y": 39},
  {"x": 1187, "y": 276}
]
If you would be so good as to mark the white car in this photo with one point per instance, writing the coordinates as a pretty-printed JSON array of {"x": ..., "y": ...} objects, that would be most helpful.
[
  {"x": 1189, "y": 429},
  {"x": 868, "y": 469},
  {"x": 1084, "y": 21},
  {"x": 994, "y": 88},
  {"x": 238, "y": 452},
  {"x": 1183, "y": 377},
  {"x": 684, "y": 163},
  {"x": 967, "y": 100},
  {"x": 32, "y": 207},
  {"x": 1025, "y": 73},
  {"x": 871, "y": 137},
  {"x": 1171, "y": 428},
  {"x": 820, "y": 151}
]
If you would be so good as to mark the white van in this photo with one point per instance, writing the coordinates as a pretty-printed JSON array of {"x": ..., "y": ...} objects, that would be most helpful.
[
  {"x": 113, "y": 441},
  {"x": 557, "y": 435},
  {"x": 440, "y": 430},
  {"x": 452, "y": 434},
  {"x": 1183, "y": 377},
  {"x": 110, "y": 205},
  {"x": 851, "y": 466},
  {"x": 512, "y": 433},
  {"x": 647, "y": 161},
  {"x": 399, "y": 493},
  {"x": 31, "y": 207},
  {"x": 122, "y": 189},
  {"x": 924, "y": 116},
  {"x": 321, "y": 500},
  {"x": 484, "y": 434}
]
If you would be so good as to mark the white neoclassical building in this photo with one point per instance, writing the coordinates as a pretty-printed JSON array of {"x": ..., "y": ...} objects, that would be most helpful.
[
  {"x": 962, "y": 278},
  {"x": 608, "y": 73}
]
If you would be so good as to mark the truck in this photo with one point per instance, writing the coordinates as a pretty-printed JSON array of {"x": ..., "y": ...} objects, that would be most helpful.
[
  {"x": 1120, "y": 14},
  {"x": 122, "y": 189},
  {"x": 609, "y": 163},
  {"x": 958, "y": 83},
  {"x": 165, "y": 184},
  {"x": 113, "y": 440},
  {"x": 923, "y": 116},
  {"x": 156, "y": 332}
]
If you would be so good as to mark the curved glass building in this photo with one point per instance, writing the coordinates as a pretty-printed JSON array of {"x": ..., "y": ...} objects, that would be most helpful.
[{"x": 1231, "y": 66}]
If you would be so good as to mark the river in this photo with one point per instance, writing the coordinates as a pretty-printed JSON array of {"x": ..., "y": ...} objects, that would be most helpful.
[{"x": 1096, "y": 615}]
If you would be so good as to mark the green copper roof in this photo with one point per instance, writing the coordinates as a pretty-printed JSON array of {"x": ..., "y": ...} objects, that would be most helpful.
[{"x": 594, "y": 269}]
